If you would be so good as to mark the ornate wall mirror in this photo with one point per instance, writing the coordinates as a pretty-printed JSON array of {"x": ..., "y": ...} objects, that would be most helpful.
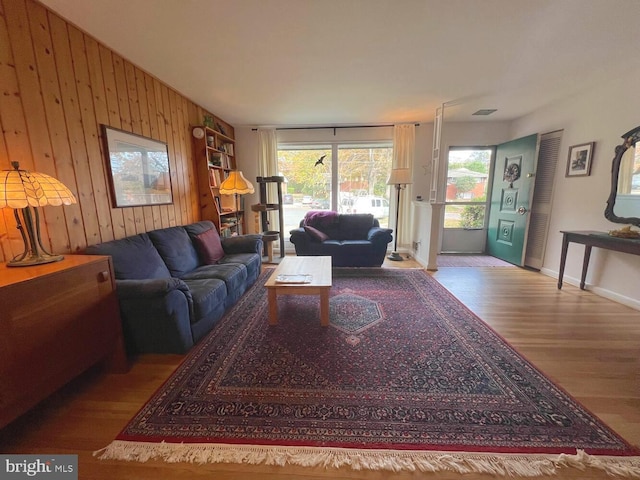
[{"x": 623, "y": 205}]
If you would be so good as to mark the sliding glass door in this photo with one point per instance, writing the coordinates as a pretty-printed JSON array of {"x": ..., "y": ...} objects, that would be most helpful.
[{"x": 346, "y": 178}]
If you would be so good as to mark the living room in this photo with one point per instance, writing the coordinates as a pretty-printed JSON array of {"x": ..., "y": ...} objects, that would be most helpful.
[{"x": 62, "y": 83}]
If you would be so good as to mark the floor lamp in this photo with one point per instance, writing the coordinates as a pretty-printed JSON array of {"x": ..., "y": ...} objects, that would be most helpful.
[{"x": 400, "y": 177}]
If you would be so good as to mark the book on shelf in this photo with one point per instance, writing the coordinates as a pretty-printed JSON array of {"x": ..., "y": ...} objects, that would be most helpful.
[
  {"x": 216, "y": 174},
  {"x": 227, "y": 148},
  {"x": 212, "y": 178}
]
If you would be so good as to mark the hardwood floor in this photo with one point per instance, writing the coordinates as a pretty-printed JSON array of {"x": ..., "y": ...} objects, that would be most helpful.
[{"x": 587, "y": 344}]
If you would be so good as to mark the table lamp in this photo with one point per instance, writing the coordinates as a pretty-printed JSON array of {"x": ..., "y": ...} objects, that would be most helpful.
[{"x": 25, "y": 191}]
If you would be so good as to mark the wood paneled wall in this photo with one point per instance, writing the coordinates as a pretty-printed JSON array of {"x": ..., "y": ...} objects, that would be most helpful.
[{"x": 58, "y": 85}]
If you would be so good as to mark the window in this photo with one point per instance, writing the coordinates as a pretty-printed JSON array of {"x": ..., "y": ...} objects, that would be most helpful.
[
  {"x": 363, "y": 171},
  {"x": 347, "y": 178},
  {"x": 307, "y": 181},
  {"x": 468, "y": 178}
]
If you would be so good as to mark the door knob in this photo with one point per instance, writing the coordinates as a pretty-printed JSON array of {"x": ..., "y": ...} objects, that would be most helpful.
[{"x": 522, "y": 210}]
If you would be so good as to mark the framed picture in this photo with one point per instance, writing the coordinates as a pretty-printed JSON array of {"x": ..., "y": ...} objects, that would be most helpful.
[
  {"x": 138, "y": 168},
  {"x": 579, "y": 161}
]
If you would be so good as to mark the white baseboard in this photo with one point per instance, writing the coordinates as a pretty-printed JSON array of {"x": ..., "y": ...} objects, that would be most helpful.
[
  {"x": 601, "y": 292},
  {"x": 420, "y": 261}
]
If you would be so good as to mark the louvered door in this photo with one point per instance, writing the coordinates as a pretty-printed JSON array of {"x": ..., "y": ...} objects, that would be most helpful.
[{"x": 542, "y": 198}]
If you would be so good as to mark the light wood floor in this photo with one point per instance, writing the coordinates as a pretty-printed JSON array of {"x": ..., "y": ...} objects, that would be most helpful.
[{"x": 585, "y": 343}]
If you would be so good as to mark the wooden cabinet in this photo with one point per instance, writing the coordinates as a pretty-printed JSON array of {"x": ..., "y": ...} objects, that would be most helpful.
[
  {"x": 215, "y": 157},
  {"x": 56, "y": 320}
]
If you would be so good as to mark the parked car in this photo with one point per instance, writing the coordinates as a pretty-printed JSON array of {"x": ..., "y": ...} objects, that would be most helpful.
[
  {"x": 377, "y": 206},
  {"x": 307, "y": 200},
  {"x": 322, "y": 204},
  {"x": 287, "y": 199}
]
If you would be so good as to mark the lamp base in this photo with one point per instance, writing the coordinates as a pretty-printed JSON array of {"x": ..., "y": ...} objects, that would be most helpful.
[
  {"x": 395, "y": 256},
  {"x": 35, "y": 260}
]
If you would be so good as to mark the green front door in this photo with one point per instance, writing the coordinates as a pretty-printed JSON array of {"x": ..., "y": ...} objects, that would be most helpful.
[{"x": 513, "y": 182}]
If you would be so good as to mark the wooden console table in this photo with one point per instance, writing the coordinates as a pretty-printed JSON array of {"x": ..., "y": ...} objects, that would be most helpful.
[
  {"x": 57, "y": 320},
  {"x": 592, "y": 239}
]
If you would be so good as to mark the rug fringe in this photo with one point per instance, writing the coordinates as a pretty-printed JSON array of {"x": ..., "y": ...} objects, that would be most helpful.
[{"x": 523, "y": 465}]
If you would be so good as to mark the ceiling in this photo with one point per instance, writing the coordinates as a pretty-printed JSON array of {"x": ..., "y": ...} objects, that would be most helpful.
[{"x": 350, "y": 62}]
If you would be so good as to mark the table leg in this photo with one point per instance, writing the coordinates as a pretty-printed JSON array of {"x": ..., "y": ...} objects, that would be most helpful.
[
  {"x": 273, "y": 307},
  {"x": 324, "y": 307},
  {"x": 563, "y": 259},
  {"x": 585, "y": 265}
]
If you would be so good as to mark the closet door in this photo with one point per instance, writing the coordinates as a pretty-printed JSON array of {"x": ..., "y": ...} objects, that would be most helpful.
[{"x": 542, "y": 198}]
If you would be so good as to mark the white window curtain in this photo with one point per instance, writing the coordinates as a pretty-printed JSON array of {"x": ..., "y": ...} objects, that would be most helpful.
[
  {"x": 268, "y": 154},
  {"x": 268, "y": 162},
  {"x": 404, "y": 143}
]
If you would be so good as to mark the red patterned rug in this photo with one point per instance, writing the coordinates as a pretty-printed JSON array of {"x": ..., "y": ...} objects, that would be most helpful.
[{"x": 405, "y": 377}]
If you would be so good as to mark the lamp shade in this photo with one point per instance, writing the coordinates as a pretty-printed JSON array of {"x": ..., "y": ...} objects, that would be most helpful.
[
  {"x": 400, "y": 176},
  {"x": 235, "y": 183},
  {"x": 21, "y": 189}
]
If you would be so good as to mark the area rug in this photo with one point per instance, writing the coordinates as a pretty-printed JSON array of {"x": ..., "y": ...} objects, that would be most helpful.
[
  {"x": 460, "y": 260},
  {"x": 404, "y": 378}
]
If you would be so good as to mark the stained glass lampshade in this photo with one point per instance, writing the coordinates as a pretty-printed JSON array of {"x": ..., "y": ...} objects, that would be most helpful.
[{"x": 26, "y": 191}]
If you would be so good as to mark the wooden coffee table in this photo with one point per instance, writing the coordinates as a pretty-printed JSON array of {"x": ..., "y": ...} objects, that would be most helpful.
[{"x": 319, "y": 283}]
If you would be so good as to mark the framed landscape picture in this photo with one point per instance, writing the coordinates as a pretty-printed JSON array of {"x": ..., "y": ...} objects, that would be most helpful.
[
  {"x": 579, "y": 161},
  {"x": 138, "y": 169}
]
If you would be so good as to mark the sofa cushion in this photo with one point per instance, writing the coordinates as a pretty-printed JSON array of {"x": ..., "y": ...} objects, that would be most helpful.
[
  {"x": 134, "y": 258},
  {"x": 234, "y": 275},
  {"x": 207, "y": 295},
  {"x": 209, "y": 246},
  {"x": 197, "y": 228},
  {"x": 316, "y": 234},
  {"x": 176, "y": 249},
  {"x": 252, "y": 262},
  {"x": 355, "y": 226}
]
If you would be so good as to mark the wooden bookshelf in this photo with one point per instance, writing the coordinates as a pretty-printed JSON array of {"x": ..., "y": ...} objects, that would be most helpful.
[{"x": 214, "y": 150}]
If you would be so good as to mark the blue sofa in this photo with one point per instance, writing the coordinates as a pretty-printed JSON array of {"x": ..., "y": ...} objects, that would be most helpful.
[
  {"x": 175, "y": 283},
  {"x": 352, "y": 240}
]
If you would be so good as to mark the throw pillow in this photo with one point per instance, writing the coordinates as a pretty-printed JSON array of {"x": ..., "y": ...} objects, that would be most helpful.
[
  {"x": 316, "y": 234},
  {"x": 209, "y": 246}
]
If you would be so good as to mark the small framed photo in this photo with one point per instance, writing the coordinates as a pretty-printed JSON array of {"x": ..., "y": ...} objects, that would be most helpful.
[{"x": 579, "y": 161}]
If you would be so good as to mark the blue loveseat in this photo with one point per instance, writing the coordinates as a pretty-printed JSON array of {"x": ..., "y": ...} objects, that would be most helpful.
[
  {"x": 352, "y": 240},
  {"x": 175, "y": 283}
]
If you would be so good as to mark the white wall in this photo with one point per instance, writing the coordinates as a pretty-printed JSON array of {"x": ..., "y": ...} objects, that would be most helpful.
[
  {"x": 601, "y": 114},
  {"x": 247, "y": 161}
]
